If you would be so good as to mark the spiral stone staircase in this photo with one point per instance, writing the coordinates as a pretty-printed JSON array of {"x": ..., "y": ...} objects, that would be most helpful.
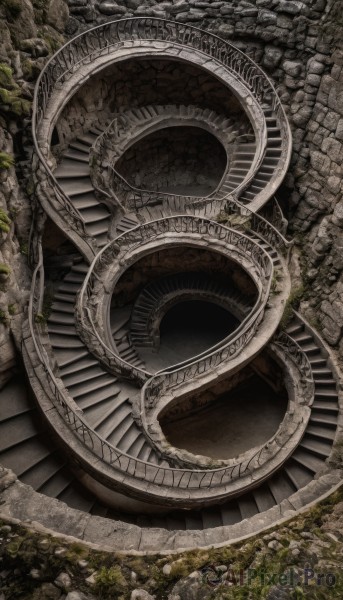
[{"x": 91, "y": 434}]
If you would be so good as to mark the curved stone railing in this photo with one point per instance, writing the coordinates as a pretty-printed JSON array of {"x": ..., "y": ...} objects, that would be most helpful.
[
  {"x": 146, "y": 331},
  {"x": 272, "y": 212},
  {"x": 209, "y": 208},
  {"x": 114, "y": 258},
  {"x": 292, "y": 350},
  {"x": 136, "y": 198},
  {"x": 301, "y": 394},
  {"x": 259, "y": 225},
  {"x": 107, "y": 39},
  {"x": 169, "y": 483},
  {"x": 50, "y": 194},
  {"x": 160, "y": 386},
  {"x": 127, "y": 128}
]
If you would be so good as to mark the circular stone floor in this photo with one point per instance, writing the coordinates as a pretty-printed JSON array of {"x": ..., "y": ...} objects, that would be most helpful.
[
  {"x": 186, "y": 330},
  {"x": 237, "y": 421}
]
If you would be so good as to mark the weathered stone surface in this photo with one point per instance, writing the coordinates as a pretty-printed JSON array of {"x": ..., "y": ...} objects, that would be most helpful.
[
  {"x": 266, "y": 17},
  {"x": 320, "y": 163},
  {"x": 316, "y": 67},
  {"x": 47, "y": 591},
  {"x": 293, "y": 7},
  {"x": 109, "y": 7},
  {"x": 272, "y": 56},
  {"x": 63, "y": 580},
  {"x": 293, "y": 68},
  {"x": 58, "y": 14},
  {"x": 139, "y": 594},
  {"x": 76, "y": 595},
  {"x": 191, "y": 588}
]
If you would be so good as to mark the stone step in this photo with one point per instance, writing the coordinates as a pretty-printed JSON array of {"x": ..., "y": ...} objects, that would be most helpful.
[
  {"x": 83, "y": 148},
  {"x": 316, "y": 447},
  {"x": 83, "y": 201},
  {"x": 281, "y": 486},
  {"x": 297, "y": 474},
  {"x": 61, "y": 318},
  {"x": 308, "y": 460},
  {"x": 320, "y": 432},
  {"x": 85, "y": 387},
  {"x": 95, "y": 214},
  {"x": 76, "y": 156},
  {"x": 84, "y": 363},
  {"x": 76, "y": 186},
  {"x": 99, "y": 229},
  {"x": 60, "y": 341},
  {"x": 82, "y": 376}
]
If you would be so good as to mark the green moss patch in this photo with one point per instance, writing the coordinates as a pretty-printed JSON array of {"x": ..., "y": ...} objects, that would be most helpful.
[
  {"x": 5, "y": 269},
  {"x": 11, "y": 100},
  {"x": 5, "y": 221},
  {"x": 293, "y": 302},
  {"x": 6, "y": 162}
]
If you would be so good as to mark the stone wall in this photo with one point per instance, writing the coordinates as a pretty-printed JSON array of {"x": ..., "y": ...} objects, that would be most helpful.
[
  {"x": 179, "y": 260},
  {"x": 137, "y": 83},
  {"x": 29, "y": 32},
  {"x": 184, "y": 160},
  {"x": 299, "y": 44},
  {"x": 14, "y": 276}
]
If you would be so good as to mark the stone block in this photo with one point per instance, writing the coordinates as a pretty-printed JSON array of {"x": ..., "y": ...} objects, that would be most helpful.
[
  {"x": 334, "y": 184},
  {"x": 266, "y": 17},
  {"x": 292, "y": 67},
  {"x": 272, "y": 56},
  {"x": 315, "y": 67},
  {"x": 337, "y": 217},
  {"x": 58, "y": 14},
  {"x": 333, "y": 148},
  {"x": 320, "y": 163},
  {"x": 292, "y": 7},
  {"x": 331, "y": 121},
  {"x": 314, "y": 80},
  {"x": 180, "y": 7},
  {"x": 302, "y": 116},
  {"x": 339, "y": 130}
]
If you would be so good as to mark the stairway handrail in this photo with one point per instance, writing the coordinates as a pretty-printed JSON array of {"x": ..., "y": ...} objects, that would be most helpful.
[
  {"x": 112, "y": 131},
  {"x": 272, "y": 212},
  {"x": 74, "y": 218},
  {"x": 170, "y": 477},
  {"x": 116, "y": 127},
  {"x": 92, "y": 277},
  {"x": 261, "y": 226},
  {"x": 271, "y": 234},
  {"x": 101, "y": 38},
  {"x": 165, "y": 299},
  {"x": 151, "y": 193},
  {"x": 86, "y": 45},
  {"x": 301, "y": 360}
]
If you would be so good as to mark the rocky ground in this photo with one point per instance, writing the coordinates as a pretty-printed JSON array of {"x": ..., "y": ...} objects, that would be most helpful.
[{"x": 300, "y": 560}]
